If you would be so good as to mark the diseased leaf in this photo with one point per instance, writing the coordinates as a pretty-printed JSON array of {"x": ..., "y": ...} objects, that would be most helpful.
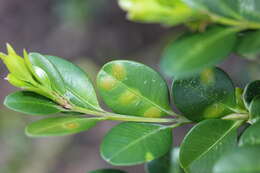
[
  {"x": 239, "y": 160},
  {"x": 192, "y": 53},
  {"x": 206, "y": 143},
  {"x": 31, "y": 103},
  {"x": 60, "y": 126},
  {"x": 210, "y": 94},
  {"x": 132, "y": 88},
  {"x": 135, "y": 143},
  {"x": 168, "y": 163}
]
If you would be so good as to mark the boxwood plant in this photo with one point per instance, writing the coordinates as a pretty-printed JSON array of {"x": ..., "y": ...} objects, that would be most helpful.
[{"x": 139, "y": 97}]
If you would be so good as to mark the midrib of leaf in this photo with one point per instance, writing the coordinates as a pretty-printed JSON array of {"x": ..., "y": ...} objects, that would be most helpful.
[
  {"x": 60, "y": 78},
  {"x": 138, "y": 95},
  {"x": 85, "y": 101},
  {"x": 215, "y": 143},
  {"x": 198, "y": 48},
  {"x": 135, "y": 142}
]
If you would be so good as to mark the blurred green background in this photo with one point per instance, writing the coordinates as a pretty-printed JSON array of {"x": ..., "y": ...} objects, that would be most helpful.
[{"x": 89, "y": 33}]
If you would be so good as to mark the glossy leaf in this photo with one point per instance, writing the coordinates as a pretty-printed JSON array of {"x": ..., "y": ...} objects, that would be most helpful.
[
  {"x": 132, "y": 88},
  {"x": 135, "y": 143},
  {"x": 107, "y": 171},
  {"x": 166, "y": 164},
  {"x": 251, "y": 91},
  {"x": 79, "y": 89},
  {"x": 31, "y": 103},
  {"x": 240, "y": 160},
  {"x": 251, "y": 136},
  {"x": 206, "y": 143},
  {"x": 191, "y": 53},
  {"x": 39, "y": 61},
  {"x": 249, "y": 45},
  {"x": 60, "y": 126},
  {"x": 207, "y": 95}
]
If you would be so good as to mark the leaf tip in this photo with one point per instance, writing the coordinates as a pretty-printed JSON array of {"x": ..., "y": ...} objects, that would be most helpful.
[
  {"x": 28, "y": 133},
  {"x": 10, "y": 49}
]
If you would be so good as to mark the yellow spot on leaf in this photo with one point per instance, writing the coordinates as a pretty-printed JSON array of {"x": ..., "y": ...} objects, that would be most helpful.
[
  {"x": 128, "y": 97},
  {"x": 72, "y": 125},
  {"x": 207, "y": 77},
  {"x": 152, "y": 112},
  {"x": 118, "y": 71},
  {"x": 107, "y": 82},
  {"x": 214, "y": 111},
  {"x": 149, "y": 156}
]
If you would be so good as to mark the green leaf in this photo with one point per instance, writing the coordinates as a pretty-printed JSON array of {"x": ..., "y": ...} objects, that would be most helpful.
[
  {"x": 78, "y": 86},
  {"x": 249, "y": 45},
  {"x": 31, "y": 103},
  {"x": 240, "y": 160},
  {"x": 191, "y": 53},
  {"x": 210, "y": 94},
  {"x": 251, "y": 136},
  {"x": 166, "y": 164},
  {"x": 39, "y": 61},
  {"x": 251, "y": 91},
  {"x": 224, "y": 8},
  {"x": 206, "y": 143},
  {"x": 60, "y": 126},
  {"x": 107, "y": 171},
  {"x": 168, "y": 12},
  {"x": 254, "y": 109},
  {"x": 240, "y": 11},
  {"x": 132, "y": 88},
  {"x": 135, "y": 143}
]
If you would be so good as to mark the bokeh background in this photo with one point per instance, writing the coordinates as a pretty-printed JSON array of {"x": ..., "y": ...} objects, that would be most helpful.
[{"x": 89, "y": 33}]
